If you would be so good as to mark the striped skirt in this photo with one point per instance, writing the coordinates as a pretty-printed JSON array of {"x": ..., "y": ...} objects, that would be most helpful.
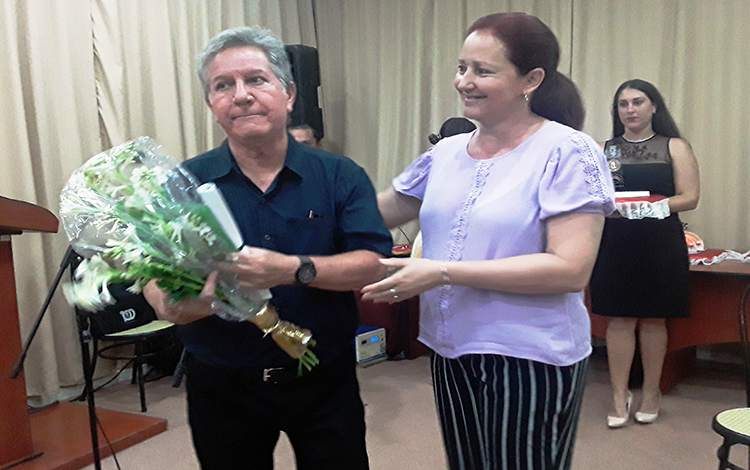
[{"x": 500, "y": 412}]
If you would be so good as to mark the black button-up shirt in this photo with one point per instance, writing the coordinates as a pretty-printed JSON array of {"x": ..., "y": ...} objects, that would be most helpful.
[{"x": 320, "y": 204}]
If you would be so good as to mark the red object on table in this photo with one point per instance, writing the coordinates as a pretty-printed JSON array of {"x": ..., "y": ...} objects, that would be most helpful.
[
  {"x": 706, "y": 254},
  {"x": 652, "y": 198},
  {"x": 401, "y": 251}
]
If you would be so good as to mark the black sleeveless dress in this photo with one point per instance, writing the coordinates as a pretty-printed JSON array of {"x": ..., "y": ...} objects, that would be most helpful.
[{"x": 643, "y": 266}]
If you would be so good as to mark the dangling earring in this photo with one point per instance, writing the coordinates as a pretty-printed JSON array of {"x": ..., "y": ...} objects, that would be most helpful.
[{"x": 526, "y": 97}]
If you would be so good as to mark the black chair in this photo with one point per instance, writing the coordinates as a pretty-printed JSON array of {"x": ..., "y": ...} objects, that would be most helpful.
[{"x": 131, "y": 331}]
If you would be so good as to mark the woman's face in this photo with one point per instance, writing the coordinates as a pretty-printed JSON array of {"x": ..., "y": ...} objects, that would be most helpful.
[
  {"x": 488, "y": 84},
  {"x": 635, "y": 109}
]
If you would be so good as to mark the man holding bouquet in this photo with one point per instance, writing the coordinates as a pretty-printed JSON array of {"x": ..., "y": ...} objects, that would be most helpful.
[{"x": 312, "y": 234}]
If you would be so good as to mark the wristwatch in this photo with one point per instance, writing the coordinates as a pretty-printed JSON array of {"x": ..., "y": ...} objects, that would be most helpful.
[{"x": 306, "y": 272}]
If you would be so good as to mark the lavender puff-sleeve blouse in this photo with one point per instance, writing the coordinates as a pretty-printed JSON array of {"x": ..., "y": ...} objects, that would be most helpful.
[{"x": 497, "y": 208}]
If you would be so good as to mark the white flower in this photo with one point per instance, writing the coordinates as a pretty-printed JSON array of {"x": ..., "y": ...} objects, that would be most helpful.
[
  {"x": 138, "y": 285},
  {"x": 177, "y": 226},
  {"x": 126, "y": 251},
  {"x": 90, "y": 291}
]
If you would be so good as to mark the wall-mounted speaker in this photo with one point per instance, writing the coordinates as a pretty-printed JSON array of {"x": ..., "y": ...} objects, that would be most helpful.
[{"x": 306, "y": 74}]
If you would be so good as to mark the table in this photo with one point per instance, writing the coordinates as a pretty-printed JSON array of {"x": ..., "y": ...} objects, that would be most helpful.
[{"x": 718, "y": 299}]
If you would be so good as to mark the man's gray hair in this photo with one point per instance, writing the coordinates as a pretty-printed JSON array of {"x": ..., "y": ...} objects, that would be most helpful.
[{"x": 246, "y": 36}]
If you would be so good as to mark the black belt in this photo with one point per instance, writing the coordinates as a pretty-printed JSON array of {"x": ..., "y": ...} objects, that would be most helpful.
[
  {"x": 279, "y": 375},
  {"x": 282, "y": 375}
]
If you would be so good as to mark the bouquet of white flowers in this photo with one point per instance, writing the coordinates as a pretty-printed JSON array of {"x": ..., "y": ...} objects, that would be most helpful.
[{"x": 136, "y": 215}]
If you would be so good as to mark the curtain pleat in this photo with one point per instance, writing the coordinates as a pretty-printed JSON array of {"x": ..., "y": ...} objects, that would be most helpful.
[{"x": 48, "y": 129}]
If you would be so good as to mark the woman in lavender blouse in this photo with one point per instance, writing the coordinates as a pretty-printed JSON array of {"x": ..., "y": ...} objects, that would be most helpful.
[{"x": 511, "y": 217}]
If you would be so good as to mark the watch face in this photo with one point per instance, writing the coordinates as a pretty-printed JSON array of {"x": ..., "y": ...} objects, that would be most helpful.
[{"x": 306, "y": 274}]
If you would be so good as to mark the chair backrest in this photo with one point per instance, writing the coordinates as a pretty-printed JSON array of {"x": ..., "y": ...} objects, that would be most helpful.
[{"x": 129, "y": 311}]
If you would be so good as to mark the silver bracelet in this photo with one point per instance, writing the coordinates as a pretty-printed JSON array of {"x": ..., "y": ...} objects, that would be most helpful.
[{"x": 444, "y": 272}]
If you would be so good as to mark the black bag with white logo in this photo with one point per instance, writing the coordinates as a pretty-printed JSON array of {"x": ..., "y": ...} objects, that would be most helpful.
[{"x": 129, "y": 311}]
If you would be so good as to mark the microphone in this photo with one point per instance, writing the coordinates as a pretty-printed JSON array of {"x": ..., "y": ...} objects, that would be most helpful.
[{"x": 433, "y": 138}]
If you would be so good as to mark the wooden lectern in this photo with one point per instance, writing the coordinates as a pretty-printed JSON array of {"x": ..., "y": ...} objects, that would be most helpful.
[
  {"x": 59, "y": 434},
  {"x": 16, "y": 217}
]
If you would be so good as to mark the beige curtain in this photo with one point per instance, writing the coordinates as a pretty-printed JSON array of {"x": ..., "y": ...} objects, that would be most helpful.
[
  {"x": 696, "y": 53},
  {"x": 82, "y": 75},
  {"x": 387, "y": 70},
  {"x": 146, "y": 52},
  {"x": 49, "y": 124}
]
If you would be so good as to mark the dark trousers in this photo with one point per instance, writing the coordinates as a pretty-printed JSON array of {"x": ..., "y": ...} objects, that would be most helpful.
[
  {"x": 236, "y": 419},
  {"x": 504, "y": 413}
]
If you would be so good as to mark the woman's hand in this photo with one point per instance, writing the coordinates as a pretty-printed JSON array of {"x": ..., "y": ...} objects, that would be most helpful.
[
  {"x": 413, "y": 277},
  {"x": 184, "y": 311}
]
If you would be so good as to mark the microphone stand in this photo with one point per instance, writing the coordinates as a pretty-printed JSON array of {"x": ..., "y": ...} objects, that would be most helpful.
[
  {"x": 68, "y": 258},
  {"x": 84, "y": 336}
]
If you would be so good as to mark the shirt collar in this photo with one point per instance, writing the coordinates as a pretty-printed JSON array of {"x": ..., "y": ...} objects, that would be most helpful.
[
  {"x": 295, "y": 160},
  {"x": 295, "y": 156}
]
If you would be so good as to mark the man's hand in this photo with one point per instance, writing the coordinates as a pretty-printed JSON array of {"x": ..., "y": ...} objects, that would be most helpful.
[
  {"x": 258, "y": 268},
  {"x": 184, "y": 311}
]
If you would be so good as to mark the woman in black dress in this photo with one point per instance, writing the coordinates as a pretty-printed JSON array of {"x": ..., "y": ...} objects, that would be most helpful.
[{"x": 641, "y": 275}]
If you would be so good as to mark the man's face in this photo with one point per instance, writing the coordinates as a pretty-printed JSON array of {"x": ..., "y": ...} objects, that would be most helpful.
[
  {"x": 304, "y": 136},
  {"x": 246, "y": 97}
]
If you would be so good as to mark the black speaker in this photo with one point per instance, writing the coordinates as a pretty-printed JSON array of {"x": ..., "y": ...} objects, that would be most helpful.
[{"x": 306, "y": 74}]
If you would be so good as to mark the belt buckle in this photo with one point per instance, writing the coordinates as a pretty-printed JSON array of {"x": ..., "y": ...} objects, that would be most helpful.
[{"x": 267, "y": 374}]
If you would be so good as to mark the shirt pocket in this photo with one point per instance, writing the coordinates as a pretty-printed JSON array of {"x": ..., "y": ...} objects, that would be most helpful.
[{"x": 311, "y": 235}]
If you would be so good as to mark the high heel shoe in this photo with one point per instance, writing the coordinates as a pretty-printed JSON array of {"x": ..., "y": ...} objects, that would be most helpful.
[
  {"x": 617, "y": 421},
  {"x": 648, "y": 418}
]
